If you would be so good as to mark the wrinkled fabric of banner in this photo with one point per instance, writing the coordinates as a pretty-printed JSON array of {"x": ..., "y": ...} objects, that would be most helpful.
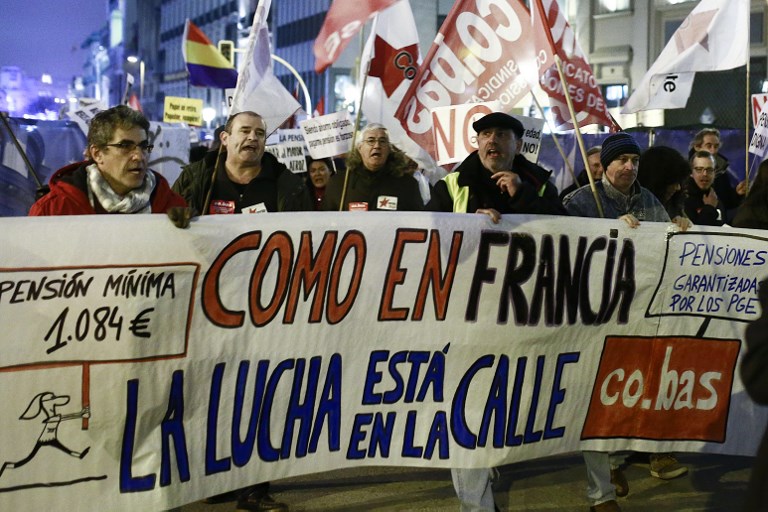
[{"x": 144, "y": 367}]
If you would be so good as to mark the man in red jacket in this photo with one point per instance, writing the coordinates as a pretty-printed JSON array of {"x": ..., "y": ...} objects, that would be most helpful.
[{"x": 115, "y": 177}]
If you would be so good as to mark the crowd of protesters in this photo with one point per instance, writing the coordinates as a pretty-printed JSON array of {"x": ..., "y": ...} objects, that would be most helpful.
[{"x": 633, "y": 186}]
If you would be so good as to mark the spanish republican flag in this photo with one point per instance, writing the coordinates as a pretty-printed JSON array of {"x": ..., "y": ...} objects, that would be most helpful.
[{"x": 207, "y": 67}]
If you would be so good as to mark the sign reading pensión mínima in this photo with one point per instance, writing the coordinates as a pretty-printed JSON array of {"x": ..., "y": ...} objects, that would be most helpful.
[{"x": 94, "y": 314}]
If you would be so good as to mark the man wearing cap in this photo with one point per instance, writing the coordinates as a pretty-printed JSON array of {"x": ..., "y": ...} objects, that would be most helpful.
[
  {"x": 496, "y": 179},
  {"x": 493, "y": 180},
  {"x": 621, "y": 198},
  {"x": 620, "y": 194}
]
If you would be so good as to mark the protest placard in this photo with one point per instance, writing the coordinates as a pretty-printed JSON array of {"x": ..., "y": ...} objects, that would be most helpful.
[{"x": 329, "y": 135}]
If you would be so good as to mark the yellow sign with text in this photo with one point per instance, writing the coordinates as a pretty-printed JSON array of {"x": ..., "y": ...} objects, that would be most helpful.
[{"x": 183, "y": 110}]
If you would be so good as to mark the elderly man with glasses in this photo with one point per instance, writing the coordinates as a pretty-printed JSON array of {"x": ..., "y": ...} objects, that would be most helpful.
[
  {"x": 115, "y": 177},
  {"x": 702, "y": 205},
  {"x": 376, "y": 178}
]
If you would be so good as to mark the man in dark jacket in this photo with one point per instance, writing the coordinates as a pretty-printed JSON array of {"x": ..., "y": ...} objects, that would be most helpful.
[
  {"x": 496, "y": 179},
  {"x": 493, "y": 180},
  {"x": 376, "y": 177},
  {"x": 248, "y": 180},
  {"x": 754, "y": 373},
  {"x": 702, "y": 204},
  {"x": 115, "y": 178},
  {"x": 708, "y": 139}
]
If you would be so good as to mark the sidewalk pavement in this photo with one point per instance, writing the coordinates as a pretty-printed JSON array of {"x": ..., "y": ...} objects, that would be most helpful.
[{"x": 714, "y": 483}]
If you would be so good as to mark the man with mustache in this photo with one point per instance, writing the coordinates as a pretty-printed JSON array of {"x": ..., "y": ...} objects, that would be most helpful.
[{"x": 248, "y": 180}]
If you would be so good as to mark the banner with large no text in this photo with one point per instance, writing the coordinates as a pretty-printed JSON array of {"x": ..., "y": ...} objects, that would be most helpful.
[{"x": 144, "y": 366}]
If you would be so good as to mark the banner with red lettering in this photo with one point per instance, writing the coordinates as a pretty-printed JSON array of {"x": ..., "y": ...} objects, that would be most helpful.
[
  {"x": 161, "y": 365},
  {"x": 554, "y": 31},
  {"x": 483, "y": 52}
]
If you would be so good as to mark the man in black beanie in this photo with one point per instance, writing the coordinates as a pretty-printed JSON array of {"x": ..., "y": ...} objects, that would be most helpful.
[
  {"x": 620, "y": 194},
  {"x": 621, "y": 198}
]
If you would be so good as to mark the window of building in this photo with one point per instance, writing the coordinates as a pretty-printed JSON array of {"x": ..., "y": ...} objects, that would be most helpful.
[
  {"x": 612, "y": 6},
  {"x": 615, "y": 94},
  {"x": 757, "y": 27}
]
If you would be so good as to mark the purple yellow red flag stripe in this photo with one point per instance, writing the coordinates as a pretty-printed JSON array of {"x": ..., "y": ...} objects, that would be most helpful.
[{"x": 206, "y": 66}]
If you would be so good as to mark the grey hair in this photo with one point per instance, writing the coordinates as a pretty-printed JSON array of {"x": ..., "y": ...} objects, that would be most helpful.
[{"x": 369, "y": 128}]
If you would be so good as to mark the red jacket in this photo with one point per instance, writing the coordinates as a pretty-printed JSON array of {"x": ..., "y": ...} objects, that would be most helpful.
[{"x": 69, "y": 196}]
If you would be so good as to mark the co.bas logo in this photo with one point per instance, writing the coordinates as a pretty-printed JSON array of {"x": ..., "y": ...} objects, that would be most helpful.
[{"x": 671, "y": 388}]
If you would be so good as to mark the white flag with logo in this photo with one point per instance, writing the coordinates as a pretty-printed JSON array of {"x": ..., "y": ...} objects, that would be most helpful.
[
  {"x": 393, "y": 52},
  {"x": 258, "y": 89},
  {"x": 714, "y": 37}
]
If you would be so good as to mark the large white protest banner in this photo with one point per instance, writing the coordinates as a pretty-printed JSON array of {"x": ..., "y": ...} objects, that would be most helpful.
[{"x": 164, "y": 365}]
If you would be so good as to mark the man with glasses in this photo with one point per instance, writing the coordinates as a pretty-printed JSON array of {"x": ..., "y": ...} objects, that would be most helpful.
[
  {"x": 376, "y": 177},
  {"x": 115, "y": 177},
  {"x": 730, "y": 197},
  {"x": 702, "y": 205},
  {"x": 247, "y": 179}
]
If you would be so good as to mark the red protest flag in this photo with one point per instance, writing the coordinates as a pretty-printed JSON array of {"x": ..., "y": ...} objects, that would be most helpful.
[
  {"x": 553, "y": 32},
  {"x": 343, "y": 21},
  {"x": 480, "y": 54}
]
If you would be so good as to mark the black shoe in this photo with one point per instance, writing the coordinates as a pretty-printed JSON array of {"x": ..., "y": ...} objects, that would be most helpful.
[
  {"x": 619, "y": 482},
  {"x": 260, "y": 502}
]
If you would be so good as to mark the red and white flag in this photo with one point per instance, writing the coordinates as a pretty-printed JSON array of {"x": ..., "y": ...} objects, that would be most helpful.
[
  {"x": 479, "y": 55},
  {"x": 258, "y": 89},
  {"x": 554, "y": 32},
  {"x": 343, "y": 21},
  {"x": 393, "y": 53},
  {"x": 714, "y": 37}
]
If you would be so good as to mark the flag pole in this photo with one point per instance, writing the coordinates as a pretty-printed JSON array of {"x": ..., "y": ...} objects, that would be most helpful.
[
  {"x": 554, "y": 139},
  {"x": 359, "y": 111},
  {"x": 746, "y": 119},
  {"x": 571, "y": 110}
]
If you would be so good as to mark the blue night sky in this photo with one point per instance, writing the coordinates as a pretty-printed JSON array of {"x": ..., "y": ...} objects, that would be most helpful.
[{"x": 44, "y": 36}]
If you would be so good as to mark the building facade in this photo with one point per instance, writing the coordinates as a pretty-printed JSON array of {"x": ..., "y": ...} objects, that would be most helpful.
[{"x": 622, "y": 38}]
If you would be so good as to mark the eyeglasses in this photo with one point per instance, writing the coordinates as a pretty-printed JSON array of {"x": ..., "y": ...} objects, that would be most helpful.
[
  {"x": 128, "y": 146},
  {"x": 381, "y": 141},
  {"x": 704, "y": 170}
]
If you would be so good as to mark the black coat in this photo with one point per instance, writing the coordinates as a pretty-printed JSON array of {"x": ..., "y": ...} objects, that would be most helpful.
[
  {"x": 695, "y": 209},
  {"x": 368, "y": 187},
  {"x": 754, "y": 374},
  {"x": 484, "y": 193}
]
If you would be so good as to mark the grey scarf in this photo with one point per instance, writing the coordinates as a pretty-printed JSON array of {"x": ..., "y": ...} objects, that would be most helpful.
[{"x": 135, "y": 201}]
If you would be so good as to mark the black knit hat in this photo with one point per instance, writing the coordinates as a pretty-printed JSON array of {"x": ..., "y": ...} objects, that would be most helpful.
[
  {"x": 616, "y": 145},
  {"x": 499, "y": 120}
]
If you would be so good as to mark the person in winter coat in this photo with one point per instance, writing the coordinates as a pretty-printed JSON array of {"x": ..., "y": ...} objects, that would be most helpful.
[
  {"x": 376, "y": 177},
  {"x": 247, "y": 180},
  {"x": 115, "y": 177}
]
